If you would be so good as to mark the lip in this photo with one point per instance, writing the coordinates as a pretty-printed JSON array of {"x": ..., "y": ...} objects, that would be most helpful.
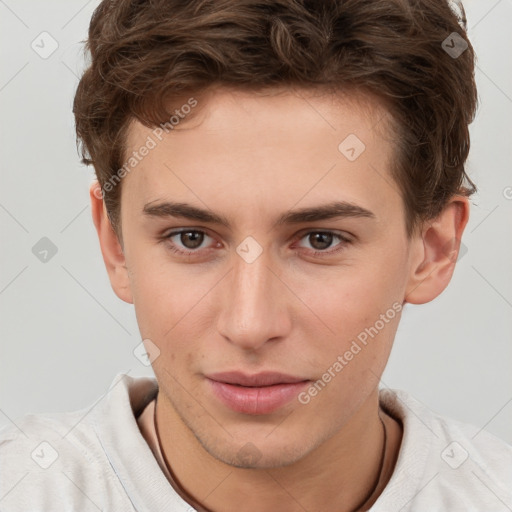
[{"x": 262, "y": 393}]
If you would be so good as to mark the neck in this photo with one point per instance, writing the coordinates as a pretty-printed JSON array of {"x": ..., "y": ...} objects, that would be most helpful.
[{"x": 347, "y": 472}]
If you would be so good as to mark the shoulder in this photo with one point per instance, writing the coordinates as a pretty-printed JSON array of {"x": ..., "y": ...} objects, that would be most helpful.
[
  {"x": 446, "y": 463},
  {"x": 56, "y": 458}
]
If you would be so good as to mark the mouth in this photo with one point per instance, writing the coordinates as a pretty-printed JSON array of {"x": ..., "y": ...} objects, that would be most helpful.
[{"x": 258, "y": 394}]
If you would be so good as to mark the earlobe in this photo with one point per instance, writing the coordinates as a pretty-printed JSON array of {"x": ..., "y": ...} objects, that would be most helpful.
[
  {"x": 111, "y": 249},
  {"x": 438, "y": 247}
]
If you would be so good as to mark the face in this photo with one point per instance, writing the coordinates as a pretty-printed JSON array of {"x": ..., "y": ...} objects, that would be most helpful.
[{"x": 273, "y": 291}]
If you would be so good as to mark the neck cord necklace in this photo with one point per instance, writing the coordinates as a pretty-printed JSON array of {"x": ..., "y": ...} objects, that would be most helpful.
[
  {"x": 381, "y": 466},
  {"x": 174, "y": 483},
  {"x": 366, "y": 500}
]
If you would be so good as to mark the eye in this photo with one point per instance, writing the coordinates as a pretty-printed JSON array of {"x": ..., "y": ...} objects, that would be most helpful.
[
  {"x": 319, "y": 241},
  {"x": 187, "y": 241}
]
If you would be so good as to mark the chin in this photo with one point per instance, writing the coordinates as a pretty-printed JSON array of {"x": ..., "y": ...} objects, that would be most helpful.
[{"x": 259, "y": 454}]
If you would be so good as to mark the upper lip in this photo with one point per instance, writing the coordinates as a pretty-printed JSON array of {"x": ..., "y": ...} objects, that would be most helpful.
[{"x": 256, "y": 380}]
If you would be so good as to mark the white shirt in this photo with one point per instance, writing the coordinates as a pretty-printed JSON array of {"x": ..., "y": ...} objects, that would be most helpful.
[{"x": 96, "y": 459}]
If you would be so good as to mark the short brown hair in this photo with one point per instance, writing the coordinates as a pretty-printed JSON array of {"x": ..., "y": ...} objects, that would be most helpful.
[{"x": 144, "y": 53}]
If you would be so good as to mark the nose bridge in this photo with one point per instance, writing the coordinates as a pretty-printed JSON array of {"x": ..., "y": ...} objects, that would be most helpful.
[{"x": 252, "y": 312}]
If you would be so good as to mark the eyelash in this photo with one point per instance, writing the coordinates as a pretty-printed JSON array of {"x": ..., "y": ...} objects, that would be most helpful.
[{"x": 344, "y": 241}]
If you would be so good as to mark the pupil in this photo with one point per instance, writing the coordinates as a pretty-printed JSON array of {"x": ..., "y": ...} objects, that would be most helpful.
[
  {"x": 191, "y": 239},
  {"x": 320, "y": 240}
]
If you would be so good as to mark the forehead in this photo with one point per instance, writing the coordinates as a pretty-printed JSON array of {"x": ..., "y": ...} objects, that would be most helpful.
[
  {"x": 292, "y": 143},
  {"x": 225, "y": 108}
]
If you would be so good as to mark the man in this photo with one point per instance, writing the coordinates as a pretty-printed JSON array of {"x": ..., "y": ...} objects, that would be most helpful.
[{"x": 276, "y": 180}]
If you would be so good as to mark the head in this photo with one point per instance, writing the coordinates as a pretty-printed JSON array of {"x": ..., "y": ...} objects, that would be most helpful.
[{"x": 312, "y": 156}]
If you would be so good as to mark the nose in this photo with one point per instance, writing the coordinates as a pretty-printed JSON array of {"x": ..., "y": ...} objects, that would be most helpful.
[{"x": 254, "y": 307}]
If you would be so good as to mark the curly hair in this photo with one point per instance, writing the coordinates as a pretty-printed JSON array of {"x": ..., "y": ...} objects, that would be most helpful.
[{"x": 144, "y": 54}]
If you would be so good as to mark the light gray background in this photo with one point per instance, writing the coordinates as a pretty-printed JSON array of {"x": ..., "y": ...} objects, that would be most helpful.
[{"x": 65, "y": 334}]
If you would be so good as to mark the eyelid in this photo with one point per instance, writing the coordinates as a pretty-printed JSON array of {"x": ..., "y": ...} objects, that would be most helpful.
[{"x": 343, "y": 235}]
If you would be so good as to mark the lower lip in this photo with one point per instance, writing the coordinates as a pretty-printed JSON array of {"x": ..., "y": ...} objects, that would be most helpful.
[{"x": 257, "y": 400}]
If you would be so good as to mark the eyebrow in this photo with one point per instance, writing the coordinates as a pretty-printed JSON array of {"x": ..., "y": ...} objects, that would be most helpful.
[{"x": 336, "y": 209}]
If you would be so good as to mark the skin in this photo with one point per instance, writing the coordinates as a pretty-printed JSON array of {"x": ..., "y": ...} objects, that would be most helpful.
[{"x": 252, "y": 157}]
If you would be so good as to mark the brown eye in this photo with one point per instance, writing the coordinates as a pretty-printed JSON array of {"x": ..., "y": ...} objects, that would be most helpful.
[
  {"x": 320, "y": 240},
  {"x": 191, "y": 239},
  {"x": 188, "y": 241},
  {"x": 327, "y": 242}
]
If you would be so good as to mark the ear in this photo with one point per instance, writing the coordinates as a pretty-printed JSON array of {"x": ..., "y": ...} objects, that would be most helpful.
[
  {"x": 111, "y": 249},
  {"x": 438, "y": 246}
]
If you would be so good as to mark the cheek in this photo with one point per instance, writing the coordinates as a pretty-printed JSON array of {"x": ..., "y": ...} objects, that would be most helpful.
[
  {"x": 175, "y": 362},
  {"x": 163, "y": 292},
  {"x": 357, "y": 311},
  {"x": 174, "y": 310},
  {"x": 156, "y": 307},
  {"x": 355, "y": 297}
]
